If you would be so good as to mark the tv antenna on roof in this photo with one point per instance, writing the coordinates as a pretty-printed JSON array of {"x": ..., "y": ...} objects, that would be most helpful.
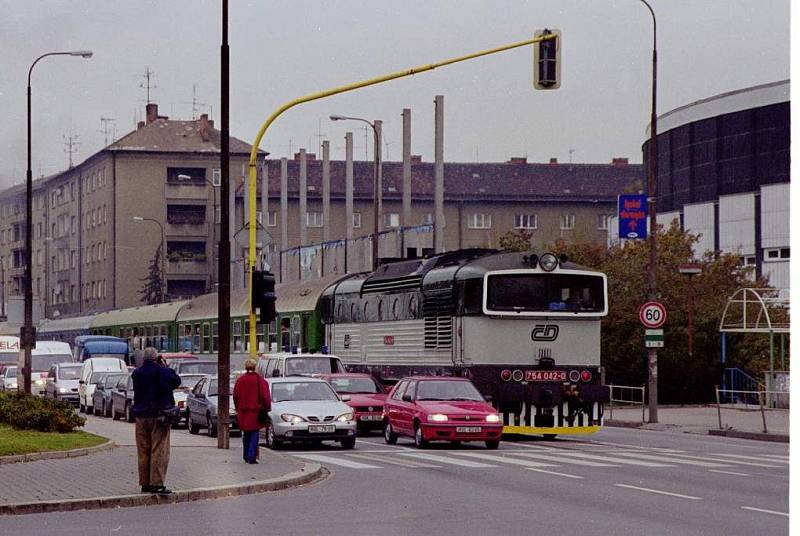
[
  {"x": 108, "y": 126},
  {"x": 71, "y": 146},
  {"x": 196, "y": 104},
  {"x": 148, "y": 84}
]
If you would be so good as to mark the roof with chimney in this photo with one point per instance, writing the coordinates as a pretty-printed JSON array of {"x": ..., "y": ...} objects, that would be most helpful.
[
  {"x": 513, "y": 180},
  {"x": 161, "y": 134}
]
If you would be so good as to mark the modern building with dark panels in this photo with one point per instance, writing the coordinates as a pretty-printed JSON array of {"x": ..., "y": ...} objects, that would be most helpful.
[{"x": 723, "y": 172}]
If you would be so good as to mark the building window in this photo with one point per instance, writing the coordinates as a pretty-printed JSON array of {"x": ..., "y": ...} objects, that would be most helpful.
[
  {"x": 187, "y": 175},
  {"x": 428, "y": 219},
  {"x": 313, "y": 219},
  {"x": 525, "y": 221},
  {"x": 776, "y": 254},
  {"x": 356, "y": 220},
  {"x": 73, "y": 259},
  {"x": 272, "y": 218},
  {"x": 216, "y": 176},
  {"x": 259, "y": 216},
  {"x": 567, "y": 221},
  {"x": 480, "y": 220},
  {"x": 602, "y": 221},
  {"x": 391, "y": 219}
]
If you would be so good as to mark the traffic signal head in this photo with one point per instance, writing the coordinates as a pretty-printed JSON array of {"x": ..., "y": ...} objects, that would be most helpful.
[
  {"x": 263, "y": 295},
  {"x": 547, "y": 60}
]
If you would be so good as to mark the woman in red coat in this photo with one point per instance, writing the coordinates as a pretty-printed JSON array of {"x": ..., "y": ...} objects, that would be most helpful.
[{"x": 251, "y": 398}]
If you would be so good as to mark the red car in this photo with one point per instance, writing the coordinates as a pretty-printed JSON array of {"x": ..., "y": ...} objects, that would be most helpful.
[
  {"x": 440, "y": 409},
  {"x": 367, "y": 397}
]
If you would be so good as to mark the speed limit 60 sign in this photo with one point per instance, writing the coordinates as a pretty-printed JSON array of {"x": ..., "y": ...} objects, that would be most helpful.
[{"x": 652, "y": 315}]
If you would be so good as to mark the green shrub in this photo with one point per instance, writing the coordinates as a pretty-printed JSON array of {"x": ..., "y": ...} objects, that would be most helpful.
[{"x": 28, "y": 412}]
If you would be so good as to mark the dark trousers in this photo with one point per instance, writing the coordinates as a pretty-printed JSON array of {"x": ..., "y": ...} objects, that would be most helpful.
[
  {"x": 250, "y": 445},
  {"x": 152, "y": 447}
]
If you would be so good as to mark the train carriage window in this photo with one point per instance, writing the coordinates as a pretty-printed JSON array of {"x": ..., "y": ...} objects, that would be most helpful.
[
  {"x": 380, "y": 310},
  {"x": 237, "y": 336},
  {"x": 196, "y": 340},
  {"x": 273, "y": 336},
  {"x": 214, "y": 337},
  {"x": 260, "y": 331},
  {"x": 296, "y": 331},
  {"x": 339, "y": 313},
  {"x": 412, "y": 307},
  {"x": 396, "y": 308},
  {"x": 353, "y": 313},
  {"x": 246, "y": 336},
  {"x": 366, "y": 312},
  {"x": 206, "y": 337},
  {"x": 286, "y": 333}
]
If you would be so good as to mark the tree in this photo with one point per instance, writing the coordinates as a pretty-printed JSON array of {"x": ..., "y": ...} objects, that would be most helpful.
[{"x": 151, "y": 292}]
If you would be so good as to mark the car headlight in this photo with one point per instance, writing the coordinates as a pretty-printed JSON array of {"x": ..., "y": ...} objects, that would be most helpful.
[
  {"x": 344, "y": 417},
  {"x": 62, "y": 390},
  {"x": 548, "y": 262},
  {"x": 40, "y": 382},
  {"x": 288, "y": 417},
  {"x": 493, "y": 417},
  {"x": 437, "y": 417},
  {"x": 12, "y": 386}
]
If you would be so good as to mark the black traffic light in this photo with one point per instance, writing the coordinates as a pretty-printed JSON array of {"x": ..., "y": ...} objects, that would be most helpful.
[
  {"x": 263, "y": 295},
  {"x": 547, "y": 61}
]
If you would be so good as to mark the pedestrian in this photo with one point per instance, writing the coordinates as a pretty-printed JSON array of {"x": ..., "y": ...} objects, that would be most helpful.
[
  {"x": 153, "y": 383},
  {"x": 252, "y": 401}
]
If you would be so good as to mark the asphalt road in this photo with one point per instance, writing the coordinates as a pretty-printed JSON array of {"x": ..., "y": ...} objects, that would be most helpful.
[{"x": 618, "y": 481}]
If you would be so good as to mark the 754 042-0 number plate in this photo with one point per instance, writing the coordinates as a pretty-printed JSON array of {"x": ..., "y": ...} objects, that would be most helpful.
[
  {"x": 545, "y": 375},
  {"x": 321, "y": 428}
]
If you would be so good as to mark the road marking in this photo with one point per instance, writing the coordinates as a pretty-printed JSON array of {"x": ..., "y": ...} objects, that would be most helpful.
[
  {"x": 553, "y": 473},
  {"x": 444, "y": 459},
  {"x": 672, "y": 459},
  {"x": 504, "y": 459},
  {"x": 659, "y": 492},
  {"x": 727, "y": 461},
  {"x": 555, "y": 458},
  {"x": 727, "y": 472},
  {"x": 756, "y": 458},
  {"x": 777, "y": 456},
  {"x": 402, "y": 463},
  {"x": 624, "y": 461},
  {"x": 765, "y": 511},
  {"x": 537, "y": 447},
  {"x": 336, "y": 461}
]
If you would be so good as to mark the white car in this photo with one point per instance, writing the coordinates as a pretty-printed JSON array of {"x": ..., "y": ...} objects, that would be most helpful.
[
  {"x": 8, "y": 378},
  {"x": 62, "y": 382},
  {"x": 90, "y": 374},
  {"x": 308, "y": 410},
  {"x": 188, "y": 381}
]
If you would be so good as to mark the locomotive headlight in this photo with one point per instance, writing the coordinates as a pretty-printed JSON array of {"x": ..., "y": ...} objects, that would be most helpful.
[
  {"x": 574, "y": 376},
  {"x": 548, "y": 262}
]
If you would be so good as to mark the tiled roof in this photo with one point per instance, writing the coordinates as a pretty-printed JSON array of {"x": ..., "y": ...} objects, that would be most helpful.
[
  {"x": 166, "y": 135},
  {"x": 490, "y": 181}
]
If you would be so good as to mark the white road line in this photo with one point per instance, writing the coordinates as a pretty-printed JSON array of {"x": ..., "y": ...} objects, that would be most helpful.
[
  {"x": 672, "y": 459},
  {"x": 402, "y": 463},
  {"x": 776, "y": 456},
  {"x": 444, "y": 459},
  {"x": 336, "y": 461},
  {"x": 553, "y": 473},
  {"x": 765, "y": 511},
  {"x": 659, "y": 492},
  {"x": 504, "y": 459},
  {"x": 753, "y": 458},
  {"x": 563, "y": 460},
  {"x": 624, "y": 461},
  {"x": 724, "y": 461},
  {"x": 727, "y": 472},
  {"x": 537, "y": 447}
]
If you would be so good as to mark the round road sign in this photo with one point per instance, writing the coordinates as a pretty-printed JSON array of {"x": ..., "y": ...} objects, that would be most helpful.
[{"x": 652, "y": 315}]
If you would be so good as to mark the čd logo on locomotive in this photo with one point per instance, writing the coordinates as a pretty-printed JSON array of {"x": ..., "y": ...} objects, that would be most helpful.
[{"x": 544, "y": 332}]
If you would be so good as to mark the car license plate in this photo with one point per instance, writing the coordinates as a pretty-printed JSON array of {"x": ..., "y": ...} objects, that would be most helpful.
[
  {"x": 321, "y": 428},
  {"x": 468, "y": 429},
  {"x": 370, "y": 417}
]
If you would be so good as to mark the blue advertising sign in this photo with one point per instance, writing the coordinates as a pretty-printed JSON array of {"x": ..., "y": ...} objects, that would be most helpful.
[{"x": 632, "y": 212}]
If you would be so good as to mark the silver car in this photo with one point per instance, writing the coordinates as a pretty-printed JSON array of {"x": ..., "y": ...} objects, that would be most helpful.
[
  {"x": 8, "y": 378},
  {"x": 308, "y": 410}
]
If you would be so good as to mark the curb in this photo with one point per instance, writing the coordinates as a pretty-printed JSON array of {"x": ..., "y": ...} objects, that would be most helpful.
[
  {"x": 57, "y": 454},
  {"x": 622, "y": 424},
  {"x": 309, "y": 473},
  {"x": 758, "y": 436}
]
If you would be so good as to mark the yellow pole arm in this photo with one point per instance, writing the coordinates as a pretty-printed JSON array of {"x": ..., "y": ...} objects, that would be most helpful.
[{"x": 321, "y": 95}]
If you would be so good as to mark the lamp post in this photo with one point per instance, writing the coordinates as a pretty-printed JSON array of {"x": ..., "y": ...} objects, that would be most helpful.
[
  {"x": 377, "y": 186},
  {"x": 690, "y": 270},
  {"x": 28, "y": 335},
  {"x": 163, "y": 254}
]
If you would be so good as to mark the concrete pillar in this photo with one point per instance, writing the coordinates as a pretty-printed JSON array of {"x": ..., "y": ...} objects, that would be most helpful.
[
  {"x": 348, "y": 185},
  {"x": 284, "y": 204},
  {"x": 438, "y": 190},
  {"x": 406, "y": 221},
  {"x": 303, "y": 192},
  {"x": 326, "y": 191}
]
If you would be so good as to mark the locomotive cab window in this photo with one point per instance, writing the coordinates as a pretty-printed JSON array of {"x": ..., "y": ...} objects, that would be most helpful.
[{"x": 542, "y": 293}]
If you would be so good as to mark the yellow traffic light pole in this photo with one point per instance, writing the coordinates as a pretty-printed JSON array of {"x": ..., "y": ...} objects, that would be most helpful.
[{"x": 251, "y": 262}]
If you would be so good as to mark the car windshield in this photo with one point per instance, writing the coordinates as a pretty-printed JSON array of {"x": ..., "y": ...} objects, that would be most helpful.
[
  {"x": 112, "y": 379},
  {"x": 42, "y": 363},
  {"x": 197, "y": 368},
  {"x": 354, "y": 385},
  {"x": 70, "y": 373},
  {"x": 286, "y": 391},
  {"x": 213, "y": 389},
  {"x": 545, "y": 292},
  {"x": 447, "y": 390},
  {"x": 308, "y": 365},
  {"x": 11, "y": 372}
]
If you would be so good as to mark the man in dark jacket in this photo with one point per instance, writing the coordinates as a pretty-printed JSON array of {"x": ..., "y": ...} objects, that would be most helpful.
[{"x": 153, "y": 383}]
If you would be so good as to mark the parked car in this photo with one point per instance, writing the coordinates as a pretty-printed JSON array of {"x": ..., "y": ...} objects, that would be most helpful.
[
  {"x": 201, "y": 405},
  {"x": 188, "y": 381},
  {"x": 8, "y": 378},
  {"x": 122, "y": 399},
  {"x": 62, "y": 382},
  {"x": 171, "y": 358},
  {"x": 286, "y": 364},
  {"x": 91, "y": 367},
  {"x": 367, "y": 397},
  {"x": 43, "y": 356},
  {"x": 101, "y": 399},
  {"x": 440, "y": 409},
  {"x": 190, "y": 366},
  {"x": 308, "y": 410}
]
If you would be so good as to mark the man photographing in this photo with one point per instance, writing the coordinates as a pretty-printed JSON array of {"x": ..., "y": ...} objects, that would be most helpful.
[{"x": 153, "y": 383}]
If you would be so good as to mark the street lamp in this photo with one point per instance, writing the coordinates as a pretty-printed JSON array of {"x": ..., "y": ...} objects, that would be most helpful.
[
  {"x": 28, "y": 335},
  {"x": 376, "y": 182},
  {"x": 163, "y": 253},
  {"x": 690, "y": 270}
]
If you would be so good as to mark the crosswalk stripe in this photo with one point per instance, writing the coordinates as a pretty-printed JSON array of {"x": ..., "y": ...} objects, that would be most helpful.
[
  {"x": 776, "y": 456},
  {"x": 563, "y": 460},
  {"x": 658, "y": 491},
  {"x": 765, "y": 511},
  {"x": 504, "y": 459},
  {"x": 553, "y": 473},
  {"x": 624, "y": 461},
  {"x": 536, "y": 447},
  {"x": 386, "y": 459},
  {"x": 444, "y": 459},
  {"x": 727, "y": 472},
  {"x": 728, "y": 461},
  {"x": 336, "y": 461},
  {"x": 752, "y": 458},
  {"x": 672, "y": 459}
]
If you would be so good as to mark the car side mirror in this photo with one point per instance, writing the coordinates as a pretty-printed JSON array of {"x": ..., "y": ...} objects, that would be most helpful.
[
  {"x": 276, "y": 373},
  {"x": 345, "y": 398},
  {"x": 487, "y": 398},
  {"x": 406, "y": 398}
]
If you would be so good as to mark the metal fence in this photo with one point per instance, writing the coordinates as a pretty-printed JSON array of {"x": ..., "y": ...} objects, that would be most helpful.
[
  {"x": 760, "y": 396},
  {"x": 627, "y": 395}
]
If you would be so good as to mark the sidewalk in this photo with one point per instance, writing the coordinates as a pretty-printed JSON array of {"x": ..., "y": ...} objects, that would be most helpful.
[
  {"x": 705, "y": 420},
  {"x": 197, "y": 470}
]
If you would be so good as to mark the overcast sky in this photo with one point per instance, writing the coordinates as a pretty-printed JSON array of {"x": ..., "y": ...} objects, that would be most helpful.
[{"x": 282, "y": 50}]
